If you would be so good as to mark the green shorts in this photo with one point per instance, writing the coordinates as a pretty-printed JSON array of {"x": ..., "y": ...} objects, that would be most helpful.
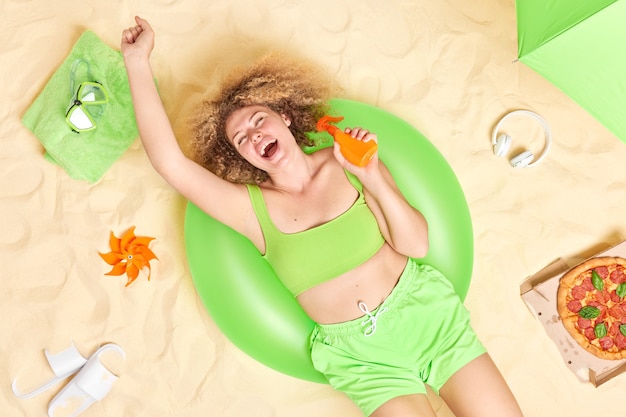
[{"x": 419, "y": 335}]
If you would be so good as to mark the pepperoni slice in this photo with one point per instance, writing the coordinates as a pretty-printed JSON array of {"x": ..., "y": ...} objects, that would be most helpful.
[
  {"x": 578, "y": 292},
  {"x": 603, "y": 271},
  {"x": 606, "y": 343},
  {"x": 589, "y": 333},
  {"x": 620, "y": 341},
  {"x": 618, "y": 276},
  {"x": 614, "y": 297},
  {"x": 587, "y": 284},
  {"x": 574, "y": 306},
  {"x": 584, "y": 323},
  {"x": 623, "y": 308},
  {"x": 616, "y": 312},
  {"x": 602, "y": 296}
]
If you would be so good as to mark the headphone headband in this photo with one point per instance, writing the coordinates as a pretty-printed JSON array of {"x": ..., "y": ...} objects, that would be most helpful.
[{"x": 542, "y": 122}]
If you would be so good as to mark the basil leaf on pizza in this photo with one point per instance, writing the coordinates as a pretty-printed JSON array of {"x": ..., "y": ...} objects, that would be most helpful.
[
  {"x": 597, "y": 282},
  {"x": 589, "y": 312}
]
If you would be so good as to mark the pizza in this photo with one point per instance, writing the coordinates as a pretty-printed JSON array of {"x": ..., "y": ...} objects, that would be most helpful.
[{"x": 591, "y": 302}]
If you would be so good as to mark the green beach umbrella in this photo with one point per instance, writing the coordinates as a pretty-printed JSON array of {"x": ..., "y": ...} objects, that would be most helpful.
[{"x": 579, "y": 46}]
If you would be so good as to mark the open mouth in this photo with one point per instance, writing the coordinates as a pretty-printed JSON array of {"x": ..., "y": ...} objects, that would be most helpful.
[{"x": 269, "y": 149}]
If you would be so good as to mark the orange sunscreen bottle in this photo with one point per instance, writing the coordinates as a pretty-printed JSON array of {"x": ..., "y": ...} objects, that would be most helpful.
[{"x": 357, "y": 152}]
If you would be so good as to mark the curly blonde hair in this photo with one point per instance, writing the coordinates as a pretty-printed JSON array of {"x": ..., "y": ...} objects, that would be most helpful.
[{"x": 294, "y": 88}]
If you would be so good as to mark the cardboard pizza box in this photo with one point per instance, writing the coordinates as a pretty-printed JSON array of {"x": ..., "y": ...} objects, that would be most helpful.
[{"x": 539, "y": 293}]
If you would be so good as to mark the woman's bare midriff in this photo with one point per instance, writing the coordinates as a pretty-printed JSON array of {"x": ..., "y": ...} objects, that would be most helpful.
[{"x": 337, "y": 300}]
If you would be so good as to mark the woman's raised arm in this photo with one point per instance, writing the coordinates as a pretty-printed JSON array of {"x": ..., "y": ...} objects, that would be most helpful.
[{"x": 219, "y": 198}]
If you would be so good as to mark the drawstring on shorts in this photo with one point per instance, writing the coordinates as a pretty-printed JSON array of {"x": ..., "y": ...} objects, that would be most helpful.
[{"x": 371, "y": 318}]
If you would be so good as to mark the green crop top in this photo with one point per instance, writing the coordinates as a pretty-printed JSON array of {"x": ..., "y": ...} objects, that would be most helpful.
[{"x": 305, "y": 259}]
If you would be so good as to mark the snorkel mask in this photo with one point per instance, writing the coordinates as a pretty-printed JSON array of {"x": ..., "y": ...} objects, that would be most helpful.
[{"x": 88, "y": 101}]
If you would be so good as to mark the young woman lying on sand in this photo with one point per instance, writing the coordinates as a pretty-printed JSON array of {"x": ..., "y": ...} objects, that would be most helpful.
[{"x": 386, "y": 324}]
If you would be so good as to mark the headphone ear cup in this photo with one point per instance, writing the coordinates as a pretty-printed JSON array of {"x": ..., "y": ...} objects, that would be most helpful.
[
  {"x": 502, "y": 145},
  {"x": 522, "y": 160}
]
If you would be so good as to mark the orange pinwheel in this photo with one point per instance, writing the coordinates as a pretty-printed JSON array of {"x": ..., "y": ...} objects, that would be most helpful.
[{"x": 129, "y": 254}]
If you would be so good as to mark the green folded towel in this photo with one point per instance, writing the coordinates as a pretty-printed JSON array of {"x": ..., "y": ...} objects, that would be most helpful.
[{"x": 86, "y": 155}]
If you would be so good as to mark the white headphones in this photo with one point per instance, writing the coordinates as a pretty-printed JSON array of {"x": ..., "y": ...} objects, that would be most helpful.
[{"x": 502, "y": 142}]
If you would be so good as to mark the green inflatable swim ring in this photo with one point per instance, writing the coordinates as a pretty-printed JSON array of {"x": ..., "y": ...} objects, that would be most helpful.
[{"x": 250, "y": 305}]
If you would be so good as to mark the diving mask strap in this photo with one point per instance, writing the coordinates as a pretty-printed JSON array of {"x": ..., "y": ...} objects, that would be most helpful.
[{"x": 74, "y": 71}]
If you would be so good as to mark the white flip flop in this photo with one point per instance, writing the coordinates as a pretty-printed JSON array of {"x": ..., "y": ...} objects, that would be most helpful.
[
  {"x": 92, "y": 383},
  {"x": 63, "y": 364}
]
